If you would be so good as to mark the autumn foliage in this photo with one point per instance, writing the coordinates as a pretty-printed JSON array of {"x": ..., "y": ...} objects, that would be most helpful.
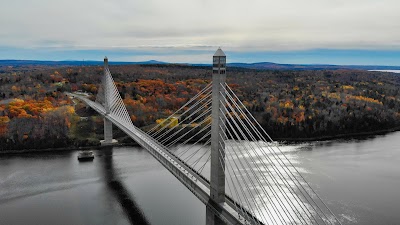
[{"x": 288, "y": 104}]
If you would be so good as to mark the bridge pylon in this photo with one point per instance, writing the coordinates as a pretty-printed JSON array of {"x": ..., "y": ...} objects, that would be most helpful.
[
  {"x": 217, "y": 170},
  {"x": 108, "y": 134},
  {"x": 217, "y": 177}
]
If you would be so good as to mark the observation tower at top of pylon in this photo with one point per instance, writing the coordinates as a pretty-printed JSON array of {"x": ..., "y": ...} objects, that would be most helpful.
[{"x": 219, "y": 62}]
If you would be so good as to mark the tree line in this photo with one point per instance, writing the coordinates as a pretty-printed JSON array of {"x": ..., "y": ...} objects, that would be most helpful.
[{"x": 288, "y": 104}]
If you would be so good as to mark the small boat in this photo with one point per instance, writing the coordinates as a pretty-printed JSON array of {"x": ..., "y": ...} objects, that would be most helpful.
[{"x": 85, "y": 156}]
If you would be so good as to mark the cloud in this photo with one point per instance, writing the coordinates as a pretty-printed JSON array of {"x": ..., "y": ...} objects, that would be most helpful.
[{"x": 238, "y": 25}]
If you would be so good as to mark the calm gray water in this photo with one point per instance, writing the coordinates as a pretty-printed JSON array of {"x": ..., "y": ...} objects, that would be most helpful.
[{"x": 358, "y": 179}]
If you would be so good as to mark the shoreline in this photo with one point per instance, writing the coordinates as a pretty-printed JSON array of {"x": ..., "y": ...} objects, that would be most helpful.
[
  {"x": 286, "y": 140},
  {"x": 61, "y": 149},
  {"x": 339, "y": 136}
]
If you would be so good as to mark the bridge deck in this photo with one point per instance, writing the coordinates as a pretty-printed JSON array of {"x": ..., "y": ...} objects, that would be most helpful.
[{"x": 195, "y": 182}]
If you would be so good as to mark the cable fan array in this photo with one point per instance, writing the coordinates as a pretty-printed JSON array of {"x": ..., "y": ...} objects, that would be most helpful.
[
  {"x": 189, "y": 124},
  {"x": 259, "y": 176},
  {"x": 109, "y": 97}
]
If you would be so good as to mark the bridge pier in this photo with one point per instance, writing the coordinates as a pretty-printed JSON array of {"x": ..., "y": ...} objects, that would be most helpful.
[
  {"x": 108, "y": 134},
  {"x": 212, "y": 219}
]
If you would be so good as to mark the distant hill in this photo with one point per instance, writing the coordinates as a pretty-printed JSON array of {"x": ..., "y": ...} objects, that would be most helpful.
[
  {"x": 17, "y": 63},
  {"x": 258, "y": 65},
  {"x": 276, "y": 66}
]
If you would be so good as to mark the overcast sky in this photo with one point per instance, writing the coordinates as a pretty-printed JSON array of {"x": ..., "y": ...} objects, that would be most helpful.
[{"x": 287, "y": 31}]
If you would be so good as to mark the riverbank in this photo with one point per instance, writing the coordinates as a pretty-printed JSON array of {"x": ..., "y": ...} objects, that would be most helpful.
[
  {"x": 339, "y": 136},
  {"x": 67, "y": 148},
  {"x": 286, "y": 140}
]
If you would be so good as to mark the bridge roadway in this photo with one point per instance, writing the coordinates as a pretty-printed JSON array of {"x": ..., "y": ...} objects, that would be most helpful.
[{"x": 194, "y": 181}]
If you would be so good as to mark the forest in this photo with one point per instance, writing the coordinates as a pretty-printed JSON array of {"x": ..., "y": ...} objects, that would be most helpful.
[{"x": 290, "y": 105}]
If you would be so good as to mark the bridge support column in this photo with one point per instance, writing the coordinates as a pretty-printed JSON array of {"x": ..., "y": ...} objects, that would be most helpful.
[
  {"x": 217, "y": 177},
  {"x": 212, "y": 219},
  {"x": 108, "y": 134}
]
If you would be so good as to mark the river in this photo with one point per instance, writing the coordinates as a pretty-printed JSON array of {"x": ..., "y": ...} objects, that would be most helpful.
[
  {"x": 390, "y": 71},
  {"x": 358, "y": 179}
]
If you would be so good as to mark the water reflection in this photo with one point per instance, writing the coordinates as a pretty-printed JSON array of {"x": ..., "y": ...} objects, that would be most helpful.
[
  {"x": 116, "y": 187},
  {"x": 358, "y": 180}
]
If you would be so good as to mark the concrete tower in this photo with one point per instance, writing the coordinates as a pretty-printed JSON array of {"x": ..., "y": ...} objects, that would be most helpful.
[
  {"x": 108, "y": 134},
  {"x": 217, "y": 181}
]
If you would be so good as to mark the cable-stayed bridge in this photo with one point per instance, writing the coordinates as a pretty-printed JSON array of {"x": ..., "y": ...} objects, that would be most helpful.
[{"x": 249, "y": 180}]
